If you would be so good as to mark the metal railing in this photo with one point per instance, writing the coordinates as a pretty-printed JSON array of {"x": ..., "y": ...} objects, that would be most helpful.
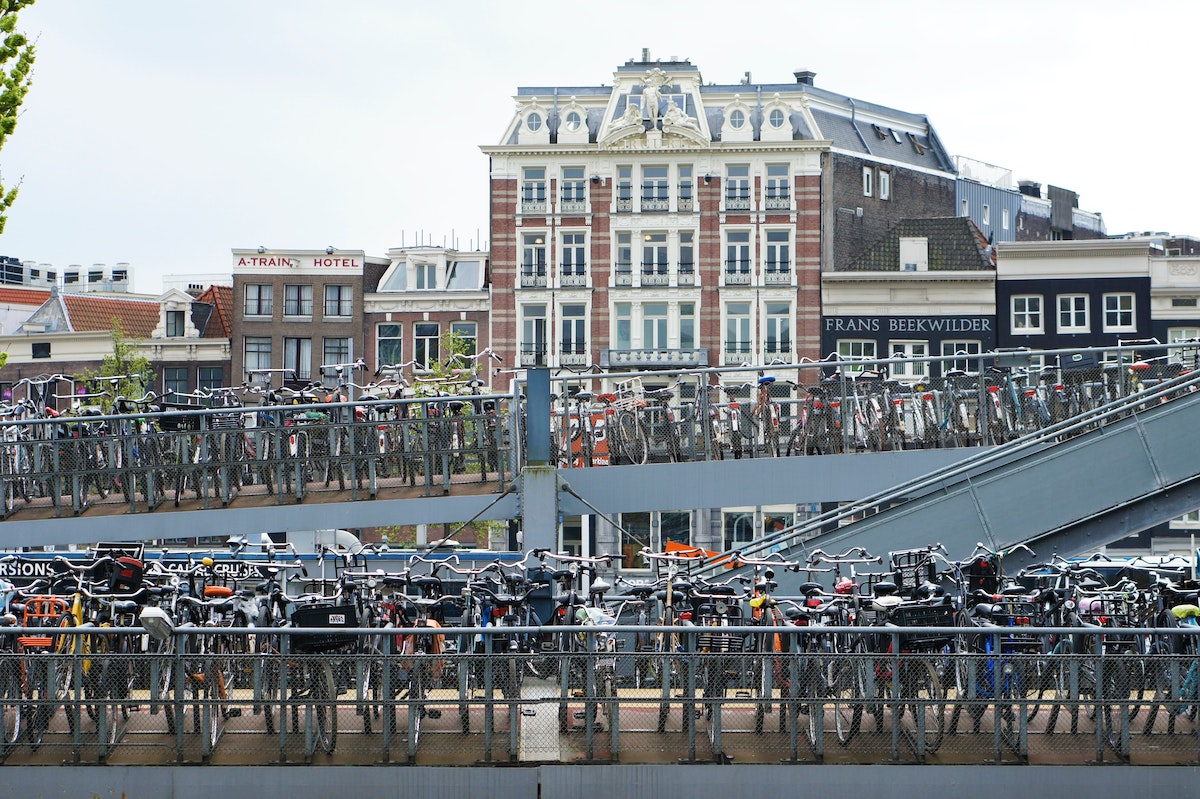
[{"x": 466, "y": 695}]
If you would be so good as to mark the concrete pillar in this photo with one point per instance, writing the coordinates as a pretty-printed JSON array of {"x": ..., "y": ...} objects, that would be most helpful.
[{"x": 539, "y": 480}]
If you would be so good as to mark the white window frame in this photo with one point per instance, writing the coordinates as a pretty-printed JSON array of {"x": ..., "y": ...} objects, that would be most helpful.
[
  {"x": 297, "y": 356},
  {"x": 1120, "y": 319},
  {"x": 987, "y": 214},
  {"x": 738, "y": 331},
  {"x": 778, "y": 339},
  {"x": 398, "y": 338},
  {"x": 1004, "y": 220},
  {"x": 467, "y": 332},
  {"x": 1188, "y": 355},
  {"x": 425, "y": 277},
  {"x": 422, "y": 345},
  {"x": 1020, "y": 310},
  {"x": 300, "y": 297},
  {"x": 576, "y": 325},
  {"x": 916, "y": 367},
  {"x": 964, "y": 347},
  {"x": 885, "y": 184},
  {"x": 656, "y": 329},
  {"x": 853, "y": 351},
  {"x": 868, "y": 182},
  {"x": 574, "y": 252},
  {"x": 1072, "y": 313}
]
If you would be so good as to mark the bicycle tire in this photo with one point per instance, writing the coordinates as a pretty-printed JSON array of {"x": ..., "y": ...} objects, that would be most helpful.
[
  {"x": 922, "y": 692},
  {"x": 12, "y": 702},
  {"x": 849, "y": 691},
  {"x": 323, "y": 695}
]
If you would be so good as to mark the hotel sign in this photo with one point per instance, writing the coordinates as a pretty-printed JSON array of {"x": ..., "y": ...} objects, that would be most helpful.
[{"x": 301, "y": 262}]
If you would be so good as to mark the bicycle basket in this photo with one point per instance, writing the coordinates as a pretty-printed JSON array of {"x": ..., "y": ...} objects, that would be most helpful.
[
  {"x": 630, "y": 394},
  {"x": 912, "y": 568},
  {"x": 334, "y": 617},
  {"x": 923, "y": 615}
]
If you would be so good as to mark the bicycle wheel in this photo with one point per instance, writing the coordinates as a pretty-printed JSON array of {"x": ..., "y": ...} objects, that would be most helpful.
[
  {"x": 633, "y": 438},
  {"x": 849, "y": 690},
  {"x": 12, "y": 700},
  {"x": 41, "y": 695},
  {"x": 323, "y": 695},
  {"x": 923, "y": 697},
  {"x": 267, "y": 697}
]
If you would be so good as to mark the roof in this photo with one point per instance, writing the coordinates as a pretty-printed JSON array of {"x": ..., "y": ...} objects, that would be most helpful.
[
  {"x": 220, "y": 322},
  {"x": 10, "y": 295},
  {"x": 955, "y": 245},
  {"x": 138, "y": 317}
]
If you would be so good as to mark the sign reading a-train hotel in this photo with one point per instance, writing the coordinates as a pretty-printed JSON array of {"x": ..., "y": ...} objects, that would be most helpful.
[{"x": 297, "y": 261}]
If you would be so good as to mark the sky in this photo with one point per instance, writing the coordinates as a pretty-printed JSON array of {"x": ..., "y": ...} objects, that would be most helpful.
[{"x": 165, "y": 134}]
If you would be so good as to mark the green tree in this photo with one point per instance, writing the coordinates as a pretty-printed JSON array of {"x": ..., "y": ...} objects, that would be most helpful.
[
  {"x": 450, "y": 365},
  {"x": 16, "y": 65},
  {"x": 125, "y": 373}
]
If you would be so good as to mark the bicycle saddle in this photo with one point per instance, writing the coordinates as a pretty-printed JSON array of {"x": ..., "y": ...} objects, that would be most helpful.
[
  {"x": 808, "y": 589},
  {"x": 885, "y": 588},
  {"x": 642, "y": 591},
  {"x": 584, "y": 396}
]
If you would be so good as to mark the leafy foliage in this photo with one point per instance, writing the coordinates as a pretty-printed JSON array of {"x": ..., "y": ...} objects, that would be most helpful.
[
  {"x": 16, "y": 66},
  {"x": 124, "y": 373}
]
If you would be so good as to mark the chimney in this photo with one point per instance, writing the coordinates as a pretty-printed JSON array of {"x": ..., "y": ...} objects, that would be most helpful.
[
  {"x": 1029, "y": 188},
  {"x": 805, "y": 76},
  {"x": 645, "y": 55}
]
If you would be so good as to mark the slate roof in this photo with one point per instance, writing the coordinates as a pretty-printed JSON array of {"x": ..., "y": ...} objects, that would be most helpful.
[
  {"x": 218, "y": 322},
  {"x": 138, "y": 317},
  {"x": 955, "y": 245}
]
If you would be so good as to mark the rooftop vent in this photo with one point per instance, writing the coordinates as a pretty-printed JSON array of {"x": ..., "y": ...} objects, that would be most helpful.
[
  {"x": 805, "y": 76},
  {"x": 1029, "y": 188}
]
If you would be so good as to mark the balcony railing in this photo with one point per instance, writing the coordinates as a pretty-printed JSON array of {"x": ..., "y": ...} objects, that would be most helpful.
[
  {"x": 737, "y": 203},
  {"x": 777, "y": 277},
  {"x": 624, "y": 205},
  {"x": 737, "y": 277},
  {"x": 532, "y": 205},
  {"x": 573, "y": 206},
  {"x": 737, "y": 353},
  {"x": 533, "y": 279},
  {"x": 568, "y": 279},
  {"x": 687, "y": 275},
  {"x": 655, "y": 204},
  {"x": 650, "y": 358},
  {"x": 533, "y": 355},
  {"x": 652, "y": 277},
  {"x": 778, "y": 203},
  {"x": 624, "y": 275},
  {"x": 572, "y": 355},
  {"x": 686, "y": 205}
]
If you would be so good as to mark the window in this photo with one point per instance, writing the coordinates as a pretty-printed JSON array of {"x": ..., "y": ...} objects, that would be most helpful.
[
  {"x": 1027, "y": 313},
  {"x": 739, "y": 528},
  {"x": 655, "y": 188},
  {"x": 1072, "y": 313},
  {"x": 1118, "y": 312},
  {"x": 257, "y": 351},
  {"x": 778, "y": 252},
  {"x": 885, "y": 185},
  {"x": 624, "y": 264},
  {"x": 736, "y": 119},
  {"x": 70, "y": 277},
  {"x": 779, "y": 328},
  {"x": 388, "y": 344},
  {"x": 533, "y": 255},
  {"x": 297, "y": 300},
  {"x": 675, "y": 527},
  {"x": 987, "y": 214},
  {"x": 175, "y": 379},
  {"x": 654, "y": 253},
  {"x": 175, "y": 324},
  {"x": 533, "y": 121},
  {"x": 737, "y": 331},
  {"x": 574, "y": 329},
  {"x": 687, "y": 256},
  {"x": 635, "y": 535},
  {"x": 624, "y": 316},
  {"x": 574, "y": 260},
  {"x": 1184, "y": 355},
  {"x": 778, "y": 187},
  {"x": 868, "y": 181},
  {"x": 687, "y": 325},
  {"x": 574, "y": 121},
  {"x": 737, "y": 253},
  {"x": 624, "y": 188},
  {"x": 573, "y": 187},
  {"x": 856, "y": 350},
  {"x": 776, "y": 118},
  {"x": 1004, "y": 219},
  {"x": 464, "y": 276},
  {"x": 964, "y": 209},
  {"x": 915, "y": 368},
  {"x": 533, "y": 335},
  {"x": 467, "y": 333},
  {"x": 969, "y": 365},
  {"x": 425, "y": 276},
  {"x": 654, "y": 326},
  {"x": 339, "y": 301},
  {"x": 737, "y": 187},
  {"x": 297, "y": 357},
  {"x": 258, "y": 299},
  {"x": 425, "y": 344},
  {"x": 533, "y": 187},
  {"x": 118, "y": 275},
  {"x": 335, "y": 351},
  {"x": 95, "y": 276},
  {"x": 209, "y": 377},
  {"x": 685, "y": 187}
]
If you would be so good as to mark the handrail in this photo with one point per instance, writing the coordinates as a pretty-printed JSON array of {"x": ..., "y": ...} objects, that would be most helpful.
[{"x": 923, "y": 483}]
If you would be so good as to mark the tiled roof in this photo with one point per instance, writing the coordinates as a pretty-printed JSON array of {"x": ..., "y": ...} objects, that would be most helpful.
[
  {"x": 138, "y": 317},
  {"x": 955, "y": 244},
  {"x": 220, "y": 323},
  {"x": 15, "y": 296}
]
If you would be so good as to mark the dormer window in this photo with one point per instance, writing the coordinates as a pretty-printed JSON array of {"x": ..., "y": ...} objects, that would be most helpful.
[
  {"x": 777, "y": 118},
  {"x": 426, "y": 276},
  {"x": 736, "y": 119},
  {"x": 175, "y": 324},
  {"x": 534, "y": 121},
  {"x": 573, "y": 121}
]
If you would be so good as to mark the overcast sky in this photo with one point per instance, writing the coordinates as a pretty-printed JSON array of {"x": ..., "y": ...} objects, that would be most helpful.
[{"x": 166, "y": 133}]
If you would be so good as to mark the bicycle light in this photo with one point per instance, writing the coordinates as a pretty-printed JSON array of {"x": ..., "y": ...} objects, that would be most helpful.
[{"x": 157, "y": 623}]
